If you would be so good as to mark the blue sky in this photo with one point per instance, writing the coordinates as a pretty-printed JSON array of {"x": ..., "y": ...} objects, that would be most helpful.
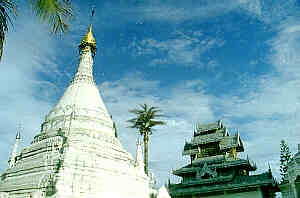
[{"x": 199, "y": 61}]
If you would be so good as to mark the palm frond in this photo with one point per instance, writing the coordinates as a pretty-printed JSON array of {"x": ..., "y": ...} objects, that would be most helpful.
[
  {"x": 155, "y": 122},
  {"x": 136, "y": 111},
  {"x": 144, "y": 107},
  {"x": 144, "y": 120},
  {"x": 7, "y": 9},
  {"x": 154, "y": 109},
  {"x": 55, "y": 12},
  {"x": 133, "y": 121}
]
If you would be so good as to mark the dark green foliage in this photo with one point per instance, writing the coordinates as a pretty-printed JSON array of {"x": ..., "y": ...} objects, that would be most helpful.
[
  {"x": 115, "y": 128},
  {"x": 3, "y": 176},
  {"x": 55, "y": 12},
  {"x": 144, "y": 122},
  {"x": 285, "y": 158},
  {"x": 51, "y": 188},
  {"x": 153, "y": 195},
  {"x": 145, "y": 119},
  {"x": 7, "y": 9}
]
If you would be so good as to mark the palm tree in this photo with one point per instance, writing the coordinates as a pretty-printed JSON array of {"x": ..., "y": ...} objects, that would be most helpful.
[
  {"x": 144, "y": 122},
  {"x": 55, "y": 12},
  {"x": 6, "y": 8}
]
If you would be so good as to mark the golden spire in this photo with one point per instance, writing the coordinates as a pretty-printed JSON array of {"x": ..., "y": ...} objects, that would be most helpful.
[{"x": 89, "y": 38}]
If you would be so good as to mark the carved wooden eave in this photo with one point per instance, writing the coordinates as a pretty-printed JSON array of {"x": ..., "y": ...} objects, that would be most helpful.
[{"x": 238, "y": 184}]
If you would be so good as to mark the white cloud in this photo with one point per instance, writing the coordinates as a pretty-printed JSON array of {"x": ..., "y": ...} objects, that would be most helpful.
[
  {"x": 171, "y": 11},
  {"x": 202, "y": 9},
  {"x": 261, "y": 126},
  {"x": 270, "y": 111},
  {"x": 185, "y": 49},
  {"x": 270, "y": 12},
  {"x": 182, "y": 104},
  {"x": 286, "y": 57},
  {"x": 252, "y": 6},
  {"x": 274, "y": 12},
  {"x": 24, "y": 95}
]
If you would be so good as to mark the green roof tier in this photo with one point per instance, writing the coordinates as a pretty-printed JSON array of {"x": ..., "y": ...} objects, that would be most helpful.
[
  {"x": 239, "y": 184},
  {"x": 220, "y": 136},
  {"x": 200, "y": 128},
  {"x": 195, "y": 167}
]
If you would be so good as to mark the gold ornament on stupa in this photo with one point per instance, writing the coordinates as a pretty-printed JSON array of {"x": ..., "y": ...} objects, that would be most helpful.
[{"x": 89, "y": 38}]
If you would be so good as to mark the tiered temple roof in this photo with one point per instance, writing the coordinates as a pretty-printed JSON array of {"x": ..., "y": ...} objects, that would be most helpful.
[
  {"x": 212, "y": 141},
  {"x": 215, "y": 135},
  {"x": 215, "y": 167}
]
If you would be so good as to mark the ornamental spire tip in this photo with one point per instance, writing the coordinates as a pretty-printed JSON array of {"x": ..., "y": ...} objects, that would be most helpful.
[
  {"x": 88, "y": 39},
  {"x": 18, "y": 135}
]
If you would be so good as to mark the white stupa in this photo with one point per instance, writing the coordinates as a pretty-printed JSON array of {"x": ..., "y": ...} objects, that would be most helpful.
[
  {"x": 163, "y": 192},
  {"x": 76, "y": 154}
]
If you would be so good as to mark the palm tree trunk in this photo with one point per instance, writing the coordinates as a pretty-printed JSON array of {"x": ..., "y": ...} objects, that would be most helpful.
[{"x": 146, "y": 139}]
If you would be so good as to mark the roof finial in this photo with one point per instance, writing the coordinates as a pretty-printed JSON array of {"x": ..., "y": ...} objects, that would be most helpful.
[
  {"x": 12, "y": 158},
  {"x": 269, "y": 170},
  {"x": 18, "y": 135},
  {"x": 92, "y": 14},
  {"x": 139, "y": 162},
  {"x": 89, "y": 39},
  {"x": 93, "y": 11}
]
